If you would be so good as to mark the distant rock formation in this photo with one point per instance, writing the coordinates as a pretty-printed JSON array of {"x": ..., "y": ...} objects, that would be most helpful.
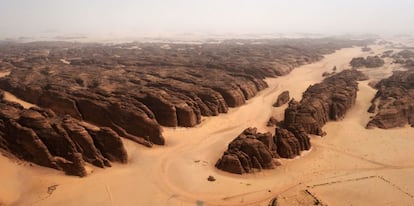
[
  {"x": 369, "y": 62},
  {"x": 60, "y": 142},
  {"x": 404, "y": 57},
  {"x": 282, "y": 99},
  {"x": 366, "y": 49},
  {"x": 328, "y": 100},
  {"x": 394, "y": 101}
]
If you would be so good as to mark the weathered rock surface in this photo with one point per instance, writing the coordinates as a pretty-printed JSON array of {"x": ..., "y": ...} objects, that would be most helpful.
[
  {"x": 60, "y": 142},
  {"x": 291, "y": 143},
  {"x": 282, "y": 99},
  {"x": 134, "y": 88},
  {"x": 394, "y": 101},
  {"x": 322, "y": 102},
  {"x": 252, "y": 150},
  {"x": 369, "y": 62}
]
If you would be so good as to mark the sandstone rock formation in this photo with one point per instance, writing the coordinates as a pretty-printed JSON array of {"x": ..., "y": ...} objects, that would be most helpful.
[
  {"x": 60, "y": 142},
  {"x": 369, "y": 62},
  {"x": 249, "y": 151},
  {"x": 135, "y": 88},
  {"x": 322, "y": 102},
  {"x": 394, "y": 101},
  {"x": 131, "y": 90},
  {"x": 290, "y": 142},
  {"x": 252, "y": 150},
  {"x": 282, "y": 99}
]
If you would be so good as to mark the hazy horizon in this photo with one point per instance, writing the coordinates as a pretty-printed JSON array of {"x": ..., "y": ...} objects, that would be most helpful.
[{"x": 110, "y": 18}]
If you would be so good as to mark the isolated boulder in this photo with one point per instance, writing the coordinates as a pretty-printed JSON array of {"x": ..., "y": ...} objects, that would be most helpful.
[{"x": 282, "y": 99}]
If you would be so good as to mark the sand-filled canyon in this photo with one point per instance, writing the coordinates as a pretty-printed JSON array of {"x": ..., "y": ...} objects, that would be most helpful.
[{"x": 351, "y": 165}]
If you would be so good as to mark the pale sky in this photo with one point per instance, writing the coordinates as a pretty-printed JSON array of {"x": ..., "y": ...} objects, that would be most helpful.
[{"x": 101, "y": 17}]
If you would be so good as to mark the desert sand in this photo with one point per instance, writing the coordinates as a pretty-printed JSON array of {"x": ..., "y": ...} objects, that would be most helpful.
[{"x": 349, "y": 166}]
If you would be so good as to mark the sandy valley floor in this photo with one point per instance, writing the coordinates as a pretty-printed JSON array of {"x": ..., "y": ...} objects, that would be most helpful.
[{"x": 349, "y": 166}]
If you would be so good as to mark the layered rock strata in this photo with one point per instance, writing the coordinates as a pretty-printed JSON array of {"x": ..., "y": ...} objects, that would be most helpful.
[
  {"x": 325, "y": 101},
  {"x": 60, "y": 142},
  {"x": 322, "y": 102},
  {"x": 253, "y": 151},
  {"x": 135, "y": 88},
  {"x": 394, "y": 101}
]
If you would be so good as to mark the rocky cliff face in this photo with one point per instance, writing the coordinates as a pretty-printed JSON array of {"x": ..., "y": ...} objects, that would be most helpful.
[
  {"x": 60, "y": 142},
  {"x": 322, "y": 102},
  {"x": 394, "y": 101},
  {"x": 369, "y": 62}
]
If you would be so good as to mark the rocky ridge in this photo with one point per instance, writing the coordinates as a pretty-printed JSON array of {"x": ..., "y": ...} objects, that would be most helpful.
[
  {"x": 136, "y": 88},
  {"x": 131, "y": 90},
  {"x": 322, "y": 102},
  {"x": 325, "y": 101},
  {"x": 369, "y": 62},
  {"x": 394, "y": 101},
  {"x": 60, "y": 142}
]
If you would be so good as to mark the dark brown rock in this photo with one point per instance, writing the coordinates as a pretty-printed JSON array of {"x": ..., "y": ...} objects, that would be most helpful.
[
  {"x": 211, "y": 178},
  {"x": 134, "y": 91},
  {"x": 372, "y": 108},
  {"x": 328, "y": 100},
  {"x": 282, "y": 99},
  {"x": 247, "y": 152},
  {"x": 272, "y": 122},
  {"x": 63, "y": 143},
  {"x": 369, "y": 62},
  {"x": 252, "y": 150},
  {"x": 395, "y": 101},
  {"x": 287, "y": 144}
]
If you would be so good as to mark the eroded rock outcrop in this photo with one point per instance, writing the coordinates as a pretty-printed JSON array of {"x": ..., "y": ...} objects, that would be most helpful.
[
  {"x": 135, "y": 88},
  {"x": 60, "y": 142},
  {"x": 369, "y": 62},
  {"x": 282, "y": 99},
  {"x": 252, "y": 151},
  {"x": 394, "y": 101},
  {"x": 404, "y": 57},
  {"x": 322, "y": 102}
]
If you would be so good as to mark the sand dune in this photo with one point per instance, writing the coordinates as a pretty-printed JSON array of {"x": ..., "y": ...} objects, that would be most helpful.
[{"x": 335, "y": 171}]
